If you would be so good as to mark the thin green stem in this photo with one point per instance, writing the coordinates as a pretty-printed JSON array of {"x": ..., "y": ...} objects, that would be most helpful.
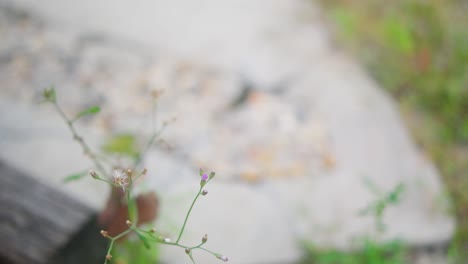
[
  {"x": 112, "y": 240},
  {"x": 106, "y": 181},
  {"x": 149, "y": 144},
  {"x": 143, "y": 172},
  {"x": 122, "y": 234},
  {"x": 109, "y": 250},
  {"x": 191, "y": 258},
  {"x": 132, "y": 208},
  {"x": 79, "y": 139},
  {"x": 188, "y": 214},
  {"x": 209, "y": 251},
  {"x": 201, "y": 244}
]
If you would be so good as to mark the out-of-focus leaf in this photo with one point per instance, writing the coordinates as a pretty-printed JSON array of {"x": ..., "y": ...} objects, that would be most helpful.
[
  {"x": 75, "y": 176},
  {"x": 399, "y": 35},
  {"x": 132, "y": 251},
  {"x": 395, "y": 195},
  {"x": 144, "y": 240},
  {"x": 123, "y": 144},
  {"x": 90, "y": 111}
]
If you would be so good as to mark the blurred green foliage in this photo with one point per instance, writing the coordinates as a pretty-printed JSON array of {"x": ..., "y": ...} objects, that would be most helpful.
[
  {"x": 371, "y": 253},
  {"x": 132, "y": 251},
  {"x": 122, "y": 144},
  {"x": 418, "y": 51},
  {"x": 383, "y": 200}
]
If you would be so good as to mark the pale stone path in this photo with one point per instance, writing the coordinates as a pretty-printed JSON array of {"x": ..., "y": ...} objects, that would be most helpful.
[{"x": 291, "y": 126}]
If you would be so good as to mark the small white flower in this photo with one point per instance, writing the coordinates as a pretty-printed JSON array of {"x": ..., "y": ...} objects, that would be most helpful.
[{"x": 120, "y": 177}]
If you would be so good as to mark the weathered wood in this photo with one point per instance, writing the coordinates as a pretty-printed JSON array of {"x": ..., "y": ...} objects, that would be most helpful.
[
  {"x": 36, "y": 220},
  {"x": 87, "y": 246}
]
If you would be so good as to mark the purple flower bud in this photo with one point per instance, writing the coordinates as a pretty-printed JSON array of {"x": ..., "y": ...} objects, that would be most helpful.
[{"x": 204, "y": 177}]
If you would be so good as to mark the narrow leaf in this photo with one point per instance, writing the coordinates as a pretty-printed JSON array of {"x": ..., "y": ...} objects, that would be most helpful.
[
  {"x": 90, "y": 111},
  {"x": 144, "y": 240},
  {"x": 75, "y": 176}
]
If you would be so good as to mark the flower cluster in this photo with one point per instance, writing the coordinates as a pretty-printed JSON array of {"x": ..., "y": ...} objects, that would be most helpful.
[{"x": 120, "y": 177}]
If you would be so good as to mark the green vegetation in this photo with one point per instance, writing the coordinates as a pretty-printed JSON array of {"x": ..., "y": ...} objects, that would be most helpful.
[
  {"x": 370, "y": 253},
  {"x": 418, "y": 51},
  {"x": 135, "y": 252},
  {"x": 369, "y": 249}
]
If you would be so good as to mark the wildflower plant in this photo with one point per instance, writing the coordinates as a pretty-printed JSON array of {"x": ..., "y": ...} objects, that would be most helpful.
[{"x": 125, "y": 179}]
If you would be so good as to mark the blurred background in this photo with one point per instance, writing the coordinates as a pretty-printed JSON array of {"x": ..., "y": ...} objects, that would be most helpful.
[{"x": 338, "y": 129}]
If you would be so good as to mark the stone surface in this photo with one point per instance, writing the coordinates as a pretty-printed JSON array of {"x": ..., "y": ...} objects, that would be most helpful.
[
  {"x": 292, "y": 127},
  {"x": 248, "y": 235}
]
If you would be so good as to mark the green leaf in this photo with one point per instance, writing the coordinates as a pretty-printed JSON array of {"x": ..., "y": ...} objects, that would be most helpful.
[
  {"x": 394, "y": 196},
  {"x": 143, "y": 239},
  {"x": 75, "y": 176},
  {"x": 90, "y": 111},
  {"x": 134, "y": 252},
  {"x": 123, "y": 144},
  {"x": 399, "y": 35}
]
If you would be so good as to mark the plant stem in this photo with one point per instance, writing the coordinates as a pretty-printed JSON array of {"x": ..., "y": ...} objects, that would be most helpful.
[
  {"x": 188, "y": 214},
  {"x": 149, "y": 144},
  {"x": 79, "y": 139},
  {"x": 109, "y": 250},
  {"x": 113, "y": 239}
]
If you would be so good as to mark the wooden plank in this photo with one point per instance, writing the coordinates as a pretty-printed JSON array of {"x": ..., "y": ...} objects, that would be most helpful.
[{"x": 36, "y": 220}]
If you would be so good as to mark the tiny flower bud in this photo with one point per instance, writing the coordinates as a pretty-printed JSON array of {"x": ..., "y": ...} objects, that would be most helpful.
[
  {"x": 129, "y": 172},
  {"x": 145, "y": 170},
  {"x": 153, "y": 230},
  {"x": 49, "y": 94},
  {"x": 108, "y": 256},
  {"x": 204, "y": 239},
  {"x": 128, "y": 223},
  {"x": 104, "y": 233},
  {"x": 222, "y": 257},
  {"x": 204, "y": 177},
  {"x": 188, "y": 251},
  {"x": 167, "y": 240},
  {"x": 93, "y": 174},
  {"x": 204, "y": 192},
  {"x": 212, "y": 174}
]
